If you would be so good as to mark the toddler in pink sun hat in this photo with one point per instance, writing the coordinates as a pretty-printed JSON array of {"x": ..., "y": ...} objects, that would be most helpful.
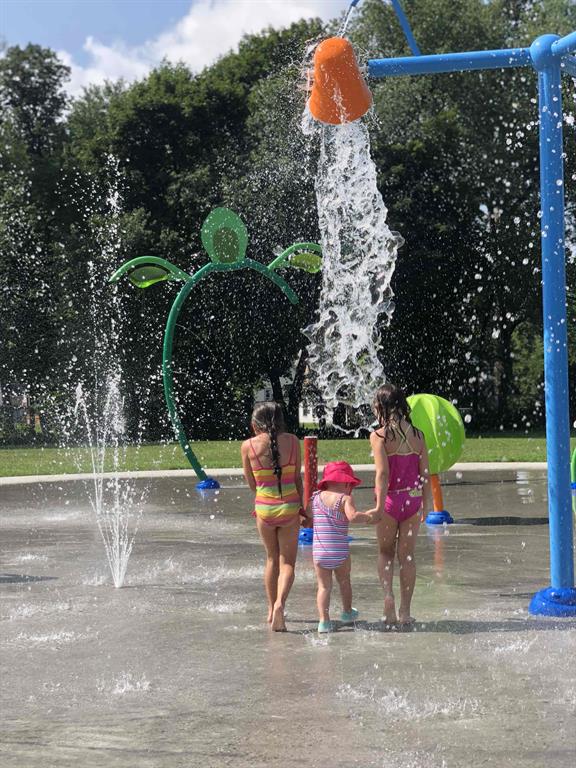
[{"x": 333, "y": 509}]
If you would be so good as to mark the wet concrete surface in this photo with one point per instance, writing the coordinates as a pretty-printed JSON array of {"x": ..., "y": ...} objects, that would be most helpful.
[{"x": 178, "y": 668}]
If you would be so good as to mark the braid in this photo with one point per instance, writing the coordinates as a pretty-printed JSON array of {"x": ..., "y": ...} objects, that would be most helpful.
[
  {"x": 274, "y": 450},
  {"x": 268, "y": 418}
]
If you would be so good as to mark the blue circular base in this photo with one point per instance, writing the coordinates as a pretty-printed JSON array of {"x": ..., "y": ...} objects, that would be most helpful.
[
  {"x": 208, "y": 484},
  {"x": 553, "y": 601},
  {"x": 439, "y": 518}
]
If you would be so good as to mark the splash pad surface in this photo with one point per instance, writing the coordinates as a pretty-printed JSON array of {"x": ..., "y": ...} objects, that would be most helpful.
[{"x": 178, "y": 668}]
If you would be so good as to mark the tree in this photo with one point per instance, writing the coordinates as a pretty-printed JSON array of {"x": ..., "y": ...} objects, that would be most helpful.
[{"x": 32, "y": 138}]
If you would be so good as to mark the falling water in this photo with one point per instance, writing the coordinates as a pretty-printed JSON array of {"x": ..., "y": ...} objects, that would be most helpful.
[
  {"x": 359, "y": 255},
  {"x": 347, "y": 17},
  {"x": 344, "y": 27}
]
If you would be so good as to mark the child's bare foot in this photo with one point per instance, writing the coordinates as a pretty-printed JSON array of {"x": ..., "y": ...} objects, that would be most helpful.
[
  {"x": 270, "y": 612},
  {"x": 390, "y": 611},
  {"x": 405, "y": 621},
  {"x": 278, "y": 624}
]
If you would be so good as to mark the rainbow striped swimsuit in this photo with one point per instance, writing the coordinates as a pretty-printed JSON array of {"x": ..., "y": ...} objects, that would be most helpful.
[
  {"x": 330, "y": 547},
  {"x": 269, "y": 506}
]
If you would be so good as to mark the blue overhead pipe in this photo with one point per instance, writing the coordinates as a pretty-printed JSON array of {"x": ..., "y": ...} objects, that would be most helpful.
[
  {"x": 449, "y": 62},
  {"x": 564, "y": 45},
  {"x": 568, "y": 65}
]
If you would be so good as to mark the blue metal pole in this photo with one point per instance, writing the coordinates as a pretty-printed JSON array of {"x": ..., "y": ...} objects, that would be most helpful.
[
  {"x": 406, "y": 28},
  {"x": 450, "y": 62},
  {"x": 564, "y": 45},
  {"x": 560, "y": 598},
  {"x": 404, "y": 23}
]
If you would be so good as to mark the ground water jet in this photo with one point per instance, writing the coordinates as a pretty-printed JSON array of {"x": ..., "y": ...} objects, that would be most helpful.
[
  {"x": 114, "y": 502},
  {"x": 97, "y": 419}
]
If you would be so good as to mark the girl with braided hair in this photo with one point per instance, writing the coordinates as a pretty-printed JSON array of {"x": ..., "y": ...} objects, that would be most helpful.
[{"x": 271, "y": 462}]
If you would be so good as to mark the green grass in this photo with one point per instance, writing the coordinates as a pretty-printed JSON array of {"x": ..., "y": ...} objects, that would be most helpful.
[{"x": 51, "y": 461}]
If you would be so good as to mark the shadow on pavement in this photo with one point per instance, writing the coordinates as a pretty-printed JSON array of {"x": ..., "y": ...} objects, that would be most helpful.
[
  {"x": 452, "y": 627},
  {"x": 502, "y": 520},
  {"x": 21, "y": 578}
]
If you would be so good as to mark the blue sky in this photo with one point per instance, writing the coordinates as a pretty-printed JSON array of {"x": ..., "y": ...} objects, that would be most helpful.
[
  {"x": 65, "y": 24},
  {"x": 109, "y": 39}
]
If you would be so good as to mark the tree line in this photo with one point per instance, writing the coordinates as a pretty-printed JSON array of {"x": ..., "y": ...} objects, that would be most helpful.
[{"x": 126, "y": 170}]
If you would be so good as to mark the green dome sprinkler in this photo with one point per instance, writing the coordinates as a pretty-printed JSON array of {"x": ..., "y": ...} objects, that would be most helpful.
[{"x": 225, "y": 238}]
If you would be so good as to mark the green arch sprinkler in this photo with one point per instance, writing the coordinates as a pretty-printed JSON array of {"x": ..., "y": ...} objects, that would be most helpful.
[{"x": 225, "y": 238}]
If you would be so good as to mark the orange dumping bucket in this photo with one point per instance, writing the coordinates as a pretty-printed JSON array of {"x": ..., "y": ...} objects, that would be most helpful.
[{"x": 339, "y": 92}]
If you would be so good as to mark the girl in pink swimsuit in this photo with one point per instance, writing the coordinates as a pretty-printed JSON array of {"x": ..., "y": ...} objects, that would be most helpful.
[{"x": 401, "y": 461}]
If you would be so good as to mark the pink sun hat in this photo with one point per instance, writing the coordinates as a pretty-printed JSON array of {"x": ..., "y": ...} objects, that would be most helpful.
[{"x": 338, "y": 472}]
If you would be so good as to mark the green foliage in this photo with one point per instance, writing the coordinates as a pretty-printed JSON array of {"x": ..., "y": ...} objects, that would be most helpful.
[
  {"x": 458, "y": 164},
  {"x": 32, "y": 98},
  {"x": 32, "y": 138}
]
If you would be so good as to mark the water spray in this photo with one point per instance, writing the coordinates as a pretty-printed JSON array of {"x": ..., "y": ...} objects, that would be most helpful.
[{"x": 359, "y": 249}]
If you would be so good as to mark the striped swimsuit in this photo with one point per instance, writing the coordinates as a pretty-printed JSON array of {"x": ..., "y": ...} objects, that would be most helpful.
[
  {"x": 330, "y": 548},
  {"x": 269, "y": 506}
]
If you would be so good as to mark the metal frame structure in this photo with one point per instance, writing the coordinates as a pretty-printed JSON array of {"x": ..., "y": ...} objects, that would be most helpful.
[
  {"x": 146, "y": 271},
  {"x": 551, "y": 56}
]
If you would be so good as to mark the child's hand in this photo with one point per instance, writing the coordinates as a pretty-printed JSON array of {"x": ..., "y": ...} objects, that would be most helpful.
[{"x": 374, "y": 516}]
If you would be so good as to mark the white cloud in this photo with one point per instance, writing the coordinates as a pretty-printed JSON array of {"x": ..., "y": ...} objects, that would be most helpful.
[
  {"x": 106, "y": 63},
  {"x": 208, "y": 30}
]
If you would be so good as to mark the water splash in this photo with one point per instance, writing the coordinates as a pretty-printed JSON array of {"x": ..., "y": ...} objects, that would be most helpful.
[
  {"x": 99, "y": 404},
  {"x": 125, "y": 683},
  {"x": 359, "y": 255},
  {"x": 115, "y": 504}
]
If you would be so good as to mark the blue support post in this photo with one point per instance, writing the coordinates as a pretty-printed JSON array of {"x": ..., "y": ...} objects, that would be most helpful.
[{"x": 560, "y": 598}]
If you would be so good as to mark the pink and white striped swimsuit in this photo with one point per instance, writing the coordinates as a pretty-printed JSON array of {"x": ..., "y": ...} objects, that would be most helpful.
[{"x": 330, "y": 546}]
